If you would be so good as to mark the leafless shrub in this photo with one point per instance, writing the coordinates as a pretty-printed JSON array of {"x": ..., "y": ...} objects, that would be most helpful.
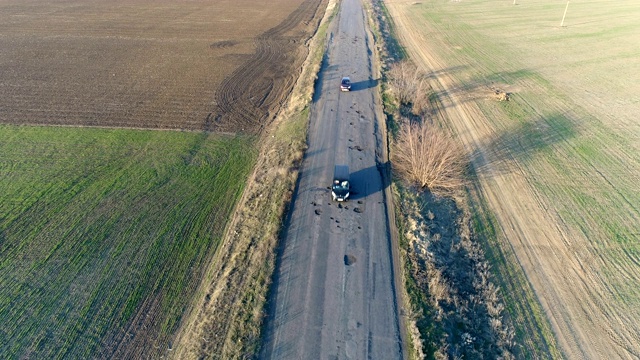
[
  {"x": 426, "y": 155},
  {"x": 422, "y": 100},
  {"x": 409, "y": 86},
  {"x": 403, "y": 77}
]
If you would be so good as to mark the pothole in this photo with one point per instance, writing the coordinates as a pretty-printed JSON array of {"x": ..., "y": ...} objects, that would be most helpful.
[{"x": 349, "y": 259}]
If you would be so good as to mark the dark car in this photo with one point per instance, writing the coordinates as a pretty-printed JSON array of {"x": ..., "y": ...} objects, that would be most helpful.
[
  {"x": 345, "y": 85},
  {"x": 340, "y": 189}
]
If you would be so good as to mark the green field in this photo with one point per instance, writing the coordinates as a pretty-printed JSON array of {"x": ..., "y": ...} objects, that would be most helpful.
[
  {"x": 104, "y": 234},
  {"x": 572, "y": 120},
  {"x": 569, "y": 139}
]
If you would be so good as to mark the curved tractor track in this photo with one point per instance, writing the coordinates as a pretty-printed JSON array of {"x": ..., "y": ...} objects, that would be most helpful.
[{"x": 252, "y": 94}]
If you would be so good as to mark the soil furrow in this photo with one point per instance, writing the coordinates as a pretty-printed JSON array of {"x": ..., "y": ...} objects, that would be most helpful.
[{"x": 264, "y": 76}]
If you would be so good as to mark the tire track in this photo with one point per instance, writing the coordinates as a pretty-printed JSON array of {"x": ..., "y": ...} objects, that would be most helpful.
[{"x": 252, "y": 93}]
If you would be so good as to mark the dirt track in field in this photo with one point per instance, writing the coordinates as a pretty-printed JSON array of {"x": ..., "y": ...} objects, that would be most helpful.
[
  {"x": 570, "y": 272},
  {"x": 226, "y": 66}
]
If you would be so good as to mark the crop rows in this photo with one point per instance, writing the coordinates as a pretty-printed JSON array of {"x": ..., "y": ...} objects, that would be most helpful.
[
  {"x": 151, "y": 64},
  {"x": 103, "y": 235}
]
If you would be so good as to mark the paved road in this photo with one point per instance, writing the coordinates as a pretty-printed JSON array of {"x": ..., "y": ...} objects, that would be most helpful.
[{"x": 334, "y": 294}]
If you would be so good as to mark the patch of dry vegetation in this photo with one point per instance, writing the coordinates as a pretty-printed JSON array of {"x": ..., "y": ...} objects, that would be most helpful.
[
  {"x": 422, "y": 153},
  {"x": 457, "y": 310},
  {"x": 427, "y": 156},
  {"x": 456, "y": 307},
  {"x": 409, "y": 86}
]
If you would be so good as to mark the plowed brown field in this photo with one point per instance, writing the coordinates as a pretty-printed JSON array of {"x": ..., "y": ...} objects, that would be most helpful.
[{"x": 196, "y": 65}]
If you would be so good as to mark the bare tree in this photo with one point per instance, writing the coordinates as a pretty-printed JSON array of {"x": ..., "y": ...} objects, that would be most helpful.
[
  {"x": 409, "y": 86},
  {"x": 426, "y": 155},
  {"x": 403, "y": 77}
]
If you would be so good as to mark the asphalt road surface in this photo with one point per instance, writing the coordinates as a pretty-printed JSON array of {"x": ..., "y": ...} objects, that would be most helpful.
[{"x": 334, "y": 295}]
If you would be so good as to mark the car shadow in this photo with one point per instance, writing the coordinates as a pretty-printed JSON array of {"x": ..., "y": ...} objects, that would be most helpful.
[
  {"x": 363, "y": 85},
  {"x": 369, "y": 181}
]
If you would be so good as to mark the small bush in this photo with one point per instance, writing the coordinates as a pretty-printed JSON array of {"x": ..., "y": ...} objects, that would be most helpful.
[
  {"x": 409, "y": 86},
  {"x": 426, "y": 155}
]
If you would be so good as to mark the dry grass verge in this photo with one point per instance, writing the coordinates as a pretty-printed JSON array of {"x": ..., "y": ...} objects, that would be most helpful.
[
  {"x": 457, "y": 310},
  {"x": 226, "y": 321}
]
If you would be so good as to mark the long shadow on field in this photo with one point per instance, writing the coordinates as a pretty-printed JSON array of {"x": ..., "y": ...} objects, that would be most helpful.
[
  {"x": 317, "y": 87},
  {"x": 521, "y": 142},
  {"x": 449, "y": 70}
]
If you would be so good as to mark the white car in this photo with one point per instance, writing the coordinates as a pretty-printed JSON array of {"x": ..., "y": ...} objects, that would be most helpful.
[{"x": 345, "y": 85}]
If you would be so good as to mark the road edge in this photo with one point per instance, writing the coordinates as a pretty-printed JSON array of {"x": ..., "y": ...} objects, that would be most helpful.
[{"x": 384, "y": 167}]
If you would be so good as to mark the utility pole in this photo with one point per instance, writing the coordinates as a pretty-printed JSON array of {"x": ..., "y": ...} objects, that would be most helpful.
[{"x": 565, "y": 14}]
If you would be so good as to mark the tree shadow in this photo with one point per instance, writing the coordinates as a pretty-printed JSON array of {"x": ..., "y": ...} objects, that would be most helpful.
[
  {"x": 478, "y": 88},
  {"x": 308, "y": 154},
  {"x": 495, "y": 154},
  {"x": 317, "y": 85},
  {"x": 449, "y": 70},
  {"x": 506, "y": 76},
  {"x": 364, "y": 182}
]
